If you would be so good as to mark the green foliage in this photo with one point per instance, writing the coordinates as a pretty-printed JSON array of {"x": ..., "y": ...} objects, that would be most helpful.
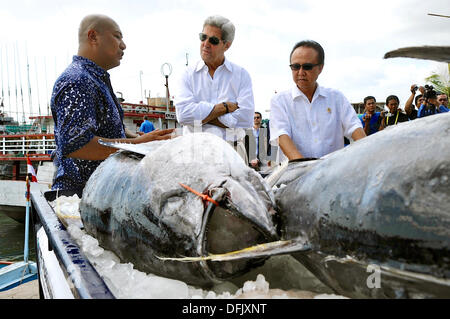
[{"x": 440, "y": 82}]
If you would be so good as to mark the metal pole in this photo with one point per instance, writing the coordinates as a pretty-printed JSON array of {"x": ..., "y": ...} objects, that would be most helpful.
[
  {"x": 167, "y": 93},
  {"x": 140, "y": 79},
  {"x": 30, "y": 101},
  {"x": 15, "y": 83},
  {"x": 20, "y": 83},
  {"x": 27, "y": 221},
  {"x": 1, "y": 75},
  {"x": 7, "y": 76},
  {"x": 46, "y": 86},
  {"x": 37, "y": 87},
  {"x": 166, "y": 74}
]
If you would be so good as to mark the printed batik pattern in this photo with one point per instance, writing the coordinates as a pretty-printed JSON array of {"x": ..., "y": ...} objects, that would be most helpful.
[{"x": 83, "y": 105}]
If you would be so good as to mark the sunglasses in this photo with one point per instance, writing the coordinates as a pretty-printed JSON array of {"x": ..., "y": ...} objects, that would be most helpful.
[
  {"x": 256, "y": 117},
  {"x": 305, "y": 66},
  {"x": 213, "y": 40}
]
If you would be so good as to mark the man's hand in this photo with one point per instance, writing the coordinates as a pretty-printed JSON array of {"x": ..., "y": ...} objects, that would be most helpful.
[
  {"x": 421, "y": 90},
  {"x": 254, "y": 163},
  {"x": 367, "y": 117},
  {"x": 94, "y": 151},
  {"x": 358, "y": 134},
  {"x": 130, "y": 134},
  {"x": 288, "y": 147},
  {"x": 231, "y": 107},
  {"x": 156, "y": 135},
  {"x": 219, "y": 110}
]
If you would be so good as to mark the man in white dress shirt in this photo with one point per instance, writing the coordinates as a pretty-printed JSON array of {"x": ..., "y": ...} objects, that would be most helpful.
[
  {"x": 309, "y": 120},
  {"x": 215, "y": 95}
]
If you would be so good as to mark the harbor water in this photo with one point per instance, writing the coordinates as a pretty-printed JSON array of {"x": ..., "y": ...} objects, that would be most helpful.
[{"x": 12, "y": 235}]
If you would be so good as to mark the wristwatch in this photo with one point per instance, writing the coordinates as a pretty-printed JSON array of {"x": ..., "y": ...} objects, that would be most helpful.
[{"x": 226, "y": 107}]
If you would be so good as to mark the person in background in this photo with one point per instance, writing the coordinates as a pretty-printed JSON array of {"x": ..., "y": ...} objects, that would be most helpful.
[
  {"x": 443, "y": 99},
  {"x": 309, "y": 120},
  {"x": 370, "y": 118},
  {"x": 215, "y": 93},
  {"x": 395, "y": 114},
  {"x": 430, "y": 105},
  {"x": 256, "y": 163},
  {"x": 410, "y": 109},
  {"x": 85, "y": 108},
  {"x": 146, "y": 126}
]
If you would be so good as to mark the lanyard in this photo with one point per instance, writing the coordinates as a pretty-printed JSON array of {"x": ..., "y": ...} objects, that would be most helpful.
[{"x": 396, "y": 118}]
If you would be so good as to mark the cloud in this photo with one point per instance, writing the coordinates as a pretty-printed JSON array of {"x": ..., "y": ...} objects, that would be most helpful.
[{"x": 354, "y": 34}]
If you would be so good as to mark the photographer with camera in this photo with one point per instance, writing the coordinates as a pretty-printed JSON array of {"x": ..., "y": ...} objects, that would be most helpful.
[
  {"x": 370, "y": 118},
  {"x": 410, "y": 109},
  {"x": 394, "y": 115},
  {"x": 430, "y": 105}
]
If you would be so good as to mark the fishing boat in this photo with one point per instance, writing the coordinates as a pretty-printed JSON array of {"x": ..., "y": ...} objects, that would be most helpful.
[
  {"x": 15, "y": 274},
  {"x": 18, "y": 143},
  {"x": 36, "y": 141}
]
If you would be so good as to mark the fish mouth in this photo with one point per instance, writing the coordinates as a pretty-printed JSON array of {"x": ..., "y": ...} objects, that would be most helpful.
[{"x": 226, "y": 229}]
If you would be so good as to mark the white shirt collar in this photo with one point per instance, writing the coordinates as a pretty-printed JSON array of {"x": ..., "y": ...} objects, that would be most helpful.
[
  {"x": 201, "y": 64},
  {"x": 295, "y": 92}
]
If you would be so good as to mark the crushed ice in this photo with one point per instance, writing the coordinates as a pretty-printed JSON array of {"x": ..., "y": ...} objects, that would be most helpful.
[{"x": 126, "y": 282}]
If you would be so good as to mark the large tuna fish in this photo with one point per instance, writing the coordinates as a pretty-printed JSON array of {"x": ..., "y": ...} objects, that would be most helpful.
[
  {"x": 376, "y": 213},
  {"x": 137, "y": 207}
]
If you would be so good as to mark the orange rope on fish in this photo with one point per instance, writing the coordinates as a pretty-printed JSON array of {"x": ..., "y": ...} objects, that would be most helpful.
[{"x": 203, "y": 196}]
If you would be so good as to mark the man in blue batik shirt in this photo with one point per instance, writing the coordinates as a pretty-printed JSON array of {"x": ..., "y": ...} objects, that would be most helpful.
[{"x": 85, "y": 108}]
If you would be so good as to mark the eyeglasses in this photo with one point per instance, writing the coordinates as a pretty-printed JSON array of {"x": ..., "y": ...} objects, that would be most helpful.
[
  {"x": 256, "y": 117},
  {"x": 305, "y": 66},
  {"x": 213, "y": 40}
]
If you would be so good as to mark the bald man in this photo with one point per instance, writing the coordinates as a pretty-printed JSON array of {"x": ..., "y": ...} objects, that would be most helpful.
[{"x": 85, "y": 108}]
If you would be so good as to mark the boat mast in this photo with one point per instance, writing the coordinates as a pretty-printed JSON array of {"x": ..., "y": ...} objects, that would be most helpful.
[
  {"x": 15, "y": 84},
  {"x": 29, "y": 84},
  {"x": 1, "y": 68},
  {"x": 46, "y": 86},
  {"x": 7, "y": 75},
  {"x": 21, "y": 87},
  {"x": 37, "y": 86}
]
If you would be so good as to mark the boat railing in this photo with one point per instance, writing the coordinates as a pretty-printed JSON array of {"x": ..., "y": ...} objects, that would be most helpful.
[
  {"x": 25, "y": 145},
  {"x": 145, "y": 108}
]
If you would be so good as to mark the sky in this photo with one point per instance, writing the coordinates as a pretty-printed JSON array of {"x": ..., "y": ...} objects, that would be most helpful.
[{"x": 354, "y": 34}]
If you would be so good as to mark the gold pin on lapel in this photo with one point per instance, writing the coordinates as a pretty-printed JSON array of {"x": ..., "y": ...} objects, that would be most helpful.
[{"x": 329, "y": 110}]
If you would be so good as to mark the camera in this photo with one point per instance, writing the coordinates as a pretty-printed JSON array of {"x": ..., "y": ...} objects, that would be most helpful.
[
  {"x": 414, "y": 89},
  {"x": 386, "y": 113},
  {"x": 429, "y": 93}
]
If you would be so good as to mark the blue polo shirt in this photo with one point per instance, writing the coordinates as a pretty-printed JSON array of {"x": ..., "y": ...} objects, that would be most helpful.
[
  {"x": 374, "y": 125},
  {"x": 146, "y": 126},
  {"x": 83, "y": 105}
]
